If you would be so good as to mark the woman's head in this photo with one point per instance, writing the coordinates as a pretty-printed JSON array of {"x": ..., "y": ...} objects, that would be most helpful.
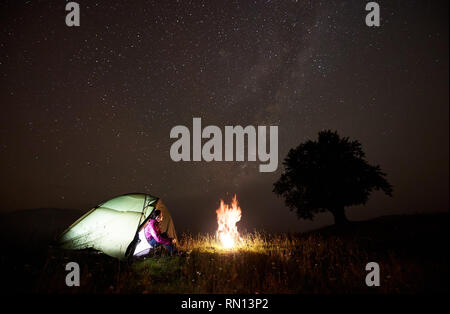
[{"x": 157, "y": 215}]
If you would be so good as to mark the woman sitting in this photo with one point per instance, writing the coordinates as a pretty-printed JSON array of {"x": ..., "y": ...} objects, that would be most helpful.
[{"x": 153, "y": 233}]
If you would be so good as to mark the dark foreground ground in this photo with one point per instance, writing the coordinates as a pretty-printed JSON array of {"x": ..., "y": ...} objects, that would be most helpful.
[{"x": 412, "y": 252}]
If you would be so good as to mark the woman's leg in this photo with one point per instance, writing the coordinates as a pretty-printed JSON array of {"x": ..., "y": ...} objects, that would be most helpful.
[
  {"x": 153, "y": 243},
  {"x": 170, "y": 248}
]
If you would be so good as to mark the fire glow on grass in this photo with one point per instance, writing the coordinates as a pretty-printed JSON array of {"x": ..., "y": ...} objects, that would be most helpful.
[{"x": 227, "y": 217}]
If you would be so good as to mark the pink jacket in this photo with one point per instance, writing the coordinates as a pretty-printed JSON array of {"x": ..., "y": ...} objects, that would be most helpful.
[{"x": 152, "y": 231}]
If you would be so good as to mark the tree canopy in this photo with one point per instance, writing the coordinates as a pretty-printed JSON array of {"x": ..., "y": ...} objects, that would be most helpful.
[{"x": 328, "y": 175}]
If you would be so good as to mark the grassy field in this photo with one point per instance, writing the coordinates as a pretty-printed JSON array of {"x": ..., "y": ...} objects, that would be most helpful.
[{"x": 412, "y": 252}]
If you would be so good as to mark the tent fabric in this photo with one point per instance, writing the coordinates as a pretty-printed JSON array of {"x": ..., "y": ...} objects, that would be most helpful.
[
  {"x": 113, "y": 226},
  {"x": 167, "y": 223},
  {"x": 142, "y": 247}
]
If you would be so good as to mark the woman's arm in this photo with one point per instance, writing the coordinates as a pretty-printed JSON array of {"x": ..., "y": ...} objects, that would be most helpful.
[{"x": 157, "y": 235}]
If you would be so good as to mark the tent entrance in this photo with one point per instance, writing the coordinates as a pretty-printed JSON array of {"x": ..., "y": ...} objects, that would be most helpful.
[{"x": 142, "y": 247}]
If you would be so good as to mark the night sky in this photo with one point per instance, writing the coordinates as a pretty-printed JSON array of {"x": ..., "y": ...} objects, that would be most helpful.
[{"x": 87, "y": 111}]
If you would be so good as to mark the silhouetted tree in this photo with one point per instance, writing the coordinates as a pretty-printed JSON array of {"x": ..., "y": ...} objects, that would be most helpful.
[{"x": 328, "y": 175}]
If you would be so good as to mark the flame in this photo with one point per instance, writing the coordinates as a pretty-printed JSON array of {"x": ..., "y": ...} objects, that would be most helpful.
[{"x": 227, "y": 217}]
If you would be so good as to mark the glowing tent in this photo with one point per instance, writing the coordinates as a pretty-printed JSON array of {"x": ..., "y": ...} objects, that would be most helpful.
[{"x": 116, "y": 226}]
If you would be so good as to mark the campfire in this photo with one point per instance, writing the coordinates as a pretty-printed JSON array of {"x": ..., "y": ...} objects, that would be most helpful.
[{"x": 227, "y": 217}]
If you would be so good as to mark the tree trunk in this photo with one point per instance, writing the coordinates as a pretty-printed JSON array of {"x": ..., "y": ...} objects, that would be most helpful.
[{"x": 339, "y": 216}]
